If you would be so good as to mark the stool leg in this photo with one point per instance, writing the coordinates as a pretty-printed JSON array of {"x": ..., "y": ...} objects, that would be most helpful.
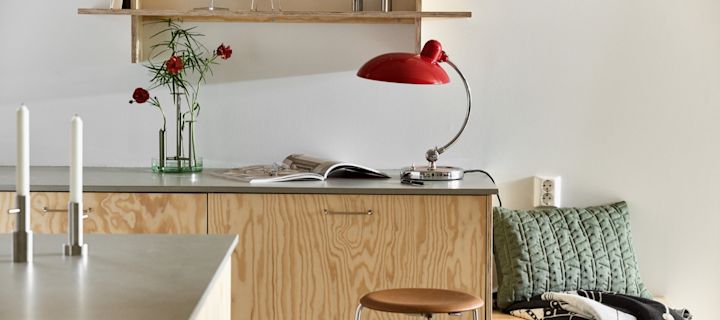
[
  {"x": 475, "y": 314},
  {"x": 358, "y": 311}
]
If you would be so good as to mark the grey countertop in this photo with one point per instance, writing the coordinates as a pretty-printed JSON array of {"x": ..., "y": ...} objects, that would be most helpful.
[
  {"x": 123, "y": 277},
  {"x": 102, "y": 179}
]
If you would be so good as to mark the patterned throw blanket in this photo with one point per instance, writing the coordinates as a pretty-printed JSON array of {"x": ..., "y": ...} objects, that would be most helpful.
[{"x": 593, "y": 305}]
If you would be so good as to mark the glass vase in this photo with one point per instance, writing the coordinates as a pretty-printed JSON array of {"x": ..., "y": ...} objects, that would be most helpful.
[{"x": 185, "y": 159}]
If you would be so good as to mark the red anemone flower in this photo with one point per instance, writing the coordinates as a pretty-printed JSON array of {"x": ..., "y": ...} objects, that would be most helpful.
[
  {"x": 174, "y": 65},
  {"x": 140, "y": 95},
  {"x": 224, "y": 52}
]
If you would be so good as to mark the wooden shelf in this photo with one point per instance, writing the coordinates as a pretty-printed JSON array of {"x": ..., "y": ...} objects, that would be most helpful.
[
  {"x": 297, "y": 11},
  {"x": 408, "y": 17}
]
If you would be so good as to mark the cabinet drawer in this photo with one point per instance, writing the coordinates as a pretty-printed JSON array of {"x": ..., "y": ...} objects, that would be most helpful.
[
  {"x": 314, "y": 256},
  {"x": 118, "y": 213}
]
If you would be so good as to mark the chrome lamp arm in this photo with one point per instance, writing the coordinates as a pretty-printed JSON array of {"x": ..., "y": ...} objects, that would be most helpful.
[{"x": 433, "y": 154}]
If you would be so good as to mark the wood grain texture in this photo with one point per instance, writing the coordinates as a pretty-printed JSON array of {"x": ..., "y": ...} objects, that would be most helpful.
[
  {"x": 118, "y": 213},
  {"x": 136, "y": 34},
  {"x": 320, "y": 265},
  {"x": 418, "y": 28},
  {"x": 136, "y": 43},
  {"x": 489, "y": 265},
  {"x": 217, "y": 301},
  {"x": 251, "y": 261},
  {"x": 7, "y": 221}
]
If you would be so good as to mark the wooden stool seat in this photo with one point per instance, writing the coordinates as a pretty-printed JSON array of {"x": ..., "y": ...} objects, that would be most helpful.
[{"x": 421, "y": 301}]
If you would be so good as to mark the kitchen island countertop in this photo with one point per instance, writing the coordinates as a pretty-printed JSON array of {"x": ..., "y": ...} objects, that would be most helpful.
[{"x": 123, "y": 277}]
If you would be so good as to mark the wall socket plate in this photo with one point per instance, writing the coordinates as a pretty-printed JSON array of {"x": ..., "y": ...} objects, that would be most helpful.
[{"x": 546, "y": 191}]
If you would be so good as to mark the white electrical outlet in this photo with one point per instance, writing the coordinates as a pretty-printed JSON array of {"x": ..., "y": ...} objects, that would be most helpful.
[{"x": 546, "y": 192}]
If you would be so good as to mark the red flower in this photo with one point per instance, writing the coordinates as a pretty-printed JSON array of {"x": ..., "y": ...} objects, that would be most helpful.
[
  {"x": 140, "y": 95},
  {"x": 174, "y": 65},
  {"x": 224, "y": 51}
]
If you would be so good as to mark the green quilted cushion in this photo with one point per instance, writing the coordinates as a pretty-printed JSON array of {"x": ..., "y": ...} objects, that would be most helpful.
[{"x": 564, "y": 249}]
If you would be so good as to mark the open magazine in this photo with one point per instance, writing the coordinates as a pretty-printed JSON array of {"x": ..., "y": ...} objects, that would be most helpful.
[{"x": 301, "y": 167}]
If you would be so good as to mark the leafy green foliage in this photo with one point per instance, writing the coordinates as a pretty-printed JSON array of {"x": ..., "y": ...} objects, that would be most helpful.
[{"x": 197, "y": 62}]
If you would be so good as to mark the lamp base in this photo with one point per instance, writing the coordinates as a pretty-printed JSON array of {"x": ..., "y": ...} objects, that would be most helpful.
[{"x": 427, "y": 173}]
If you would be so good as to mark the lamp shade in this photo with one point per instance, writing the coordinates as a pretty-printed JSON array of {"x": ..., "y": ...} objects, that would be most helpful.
[{"x": 400, "y": 67}]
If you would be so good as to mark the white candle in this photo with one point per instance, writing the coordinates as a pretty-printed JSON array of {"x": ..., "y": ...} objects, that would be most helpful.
[
  {"x": 22, "y": 170},
  {"x": 76, "y": 161}
]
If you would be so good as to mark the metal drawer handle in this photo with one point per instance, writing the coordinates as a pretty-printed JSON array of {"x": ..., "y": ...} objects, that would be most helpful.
[
  {"x": 363, "y": 213},
  {"x": 48, "y": 210}
]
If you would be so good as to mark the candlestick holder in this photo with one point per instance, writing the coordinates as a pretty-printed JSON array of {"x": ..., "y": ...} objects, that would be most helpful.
[
  {"x": 22, "y": 236},
  {"x": 75, "y": 245}
]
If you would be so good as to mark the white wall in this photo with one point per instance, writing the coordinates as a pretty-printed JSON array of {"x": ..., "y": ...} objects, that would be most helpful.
[{"x": 618, "y": 97}]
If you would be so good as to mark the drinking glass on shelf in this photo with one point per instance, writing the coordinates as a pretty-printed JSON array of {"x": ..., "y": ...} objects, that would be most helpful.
[
  {"x": 212, "y": 7},
  {"x": 273, "y": 5}
]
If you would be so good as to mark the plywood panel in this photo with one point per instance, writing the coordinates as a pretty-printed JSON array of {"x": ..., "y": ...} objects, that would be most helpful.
[
  {"x": 7, "y": 221},
  {"x": 321, "y": 264},
  {"x": 326, "y": 262},
  {"x": 251, "y": 261},
  {"x": 119, "y": 213}
]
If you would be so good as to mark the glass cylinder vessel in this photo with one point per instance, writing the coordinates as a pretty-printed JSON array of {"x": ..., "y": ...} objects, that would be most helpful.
[{"x": 185, "y": 158}]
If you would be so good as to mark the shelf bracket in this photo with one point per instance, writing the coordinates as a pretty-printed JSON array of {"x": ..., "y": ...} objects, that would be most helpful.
[
  {"x": 418, "y": 27},
  {"x": 136, "y": 34}
]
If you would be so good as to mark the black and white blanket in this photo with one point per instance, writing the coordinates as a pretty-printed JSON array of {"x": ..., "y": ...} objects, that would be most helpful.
[{"x": 593, "y": 305}]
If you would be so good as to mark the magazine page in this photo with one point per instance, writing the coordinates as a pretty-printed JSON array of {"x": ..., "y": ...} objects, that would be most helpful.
[
  {"x": 268, "y": 173},
  {"x": 305, "y": 162},
  {"x": 298, "y": 167},
  {"x": 326, "y": 168},
  {"x": 353, "y": 170}
]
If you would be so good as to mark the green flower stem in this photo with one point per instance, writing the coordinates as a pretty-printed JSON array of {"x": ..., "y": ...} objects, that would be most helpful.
[
  {"x": 156, "y": 103},
  {"x": 164, "y": 118}
]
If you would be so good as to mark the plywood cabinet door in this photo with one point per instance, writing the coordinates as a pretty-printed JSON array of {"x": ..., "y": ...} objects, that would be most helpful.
[
  {"x": 252, "y": 287},
  {"x": 118, "y": 213},
  {"x": 172, "y": 213},
  {"x": 321, "y": 253}
]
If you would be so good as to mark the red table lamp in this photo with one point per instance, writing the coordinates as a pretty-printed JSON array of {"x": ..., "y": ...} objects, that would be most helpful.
[{"x": 420, "y": 69}]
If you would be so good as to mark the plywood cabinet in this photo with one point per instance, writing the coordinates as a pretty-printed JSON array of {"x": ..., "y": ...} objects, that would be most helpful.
[
  {"x": 116, "y": 213},
  {"x": 304, "y": 256},
  {"x": 306, "y": 250}
]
